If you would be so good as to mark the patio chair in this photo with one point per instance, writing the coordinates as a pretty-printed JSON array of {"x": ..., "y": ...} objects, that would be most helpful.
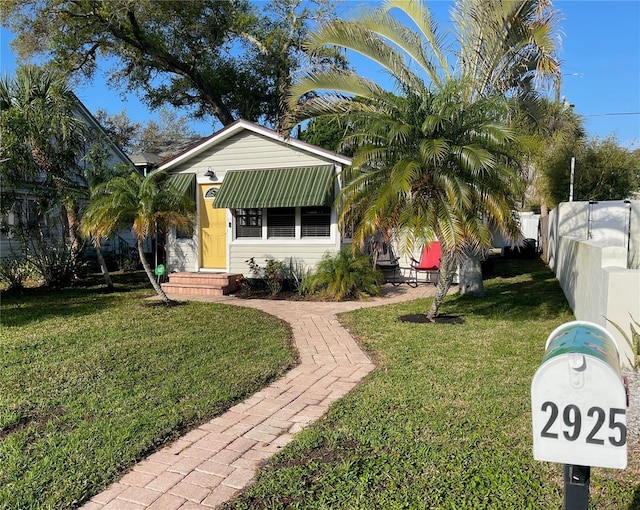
[
  {"x": 387, "y": 262},
  {"x": 429, "y": 263}
]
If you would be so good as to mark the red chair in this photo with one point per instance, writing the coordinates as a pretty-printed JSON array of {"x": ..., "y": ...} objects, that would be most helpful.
[{"x": 429, "y": 263}]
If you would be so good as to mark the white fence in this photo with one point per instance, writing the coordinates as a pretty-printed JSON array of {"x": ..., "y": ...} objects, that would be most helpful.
[{"x": 594, "y": 251}]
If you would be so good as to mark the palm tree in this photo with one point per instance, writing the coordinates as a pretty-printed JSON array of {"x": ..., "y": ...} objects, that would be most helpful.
[
  {"x": 42, "y": 137},
  {"x": 554, "y": 133},
  {"x": 434, "y": 128},
  {"x": 431, "y": 167},
  {"x": 508, "y": 47},
  {"x": 147, "y": 203}
]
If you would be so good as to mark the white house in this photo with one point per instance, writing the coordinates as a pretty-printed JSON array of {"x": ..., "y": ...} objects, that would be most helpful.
[
  {"x": 23, "y": 208},
  {"x": 257, "y": 195}
]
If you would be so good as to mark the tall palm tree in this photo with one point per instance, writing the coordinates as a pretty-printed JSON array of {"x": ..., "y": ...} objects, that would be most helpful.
[
  {"x": 437, "y": 87},
  {"x": 553, "y": 132},
  {"x": 507, "y": 46},
  {"x": 147, "y": 203}
]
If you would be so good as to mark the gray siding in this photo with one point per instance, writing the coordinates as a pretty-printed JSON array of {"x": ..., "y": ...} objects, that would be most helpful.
[
  {"x": 307, "y": 254},
  {"x": 182, "y": 255},
  {"x": 246, "y": 150}
]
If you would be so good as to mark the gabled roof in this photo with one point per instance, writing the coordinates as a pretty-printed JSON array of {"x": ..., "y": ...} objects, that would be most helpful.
[
  {"x": 88, "y": 116},
  {"x": 244, "y": 125}
]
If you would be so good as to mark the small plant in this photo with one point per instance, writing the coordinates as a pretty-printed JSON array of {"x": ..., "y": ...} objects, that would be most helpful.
[
  {"x": 633, "y": 341},
  {"x": 273, "y": 274},
  {"x": 343, "y": 276},
  {"x": 297, "y": 274},
  {"x": 14, "y": 271}
]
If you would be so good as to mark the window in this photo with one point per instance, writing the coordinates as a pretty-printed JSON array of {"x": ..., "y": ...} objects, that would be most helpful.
[
  {"x": 316, "y": 221},
  {"x": 248, "y": 223},
  {"x": 35, "y": 218},
  {"x": 281, "y": 222},
  {"x": 182, "y": 233}
]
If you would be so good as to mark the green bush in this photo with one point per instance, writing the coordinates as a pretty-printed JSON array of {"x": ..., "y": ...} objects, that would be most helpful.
[
  {"x": 297, "y": 274},
  {"x": 633, "y": 340},
  {"x": 14, "y": 271},
  {"x": 274, "y": 273},
  {"x": 342, "y": 276}
]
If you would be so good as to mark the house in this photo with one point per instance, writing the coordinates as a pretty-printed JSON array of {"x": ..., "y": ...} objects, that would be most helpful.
[
  {"x": 22, "y": 209},
  {"x": 257, "y": 195}
]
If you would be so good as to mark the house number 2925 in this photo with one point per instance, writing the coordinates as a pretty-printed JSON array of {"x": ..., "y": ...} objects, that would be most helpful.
[{"x": 572, "y": 420}]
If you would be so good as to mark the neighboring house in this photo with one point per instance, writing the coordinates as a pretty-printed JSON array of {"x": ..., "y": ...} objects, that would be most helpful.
[
  {"x": 257, "y": 195},
  {"x": 23, "y": 209},
  {"x": 149, "y": 160}
]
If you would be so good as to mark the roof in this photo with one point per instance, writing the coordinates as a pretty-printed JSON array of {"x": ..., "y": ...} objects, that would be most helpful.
[
  {"x": 244, "y": 125},
  {"x": 145, "y": 159},
  {"x": 92, "y": 120}
]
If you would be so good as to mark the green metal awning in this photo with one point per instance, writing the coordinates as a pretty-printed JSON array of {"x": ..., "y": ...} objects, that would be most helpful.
[
  {"x": 277, "y": 187},
  {"x": 185, "y": 184}
]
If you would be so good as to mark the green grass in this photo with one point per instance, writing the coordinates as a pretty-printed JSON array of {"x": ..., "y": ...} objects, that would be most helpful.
[
  {"x": 444, "y": 422},
  {"x": 90, "y": 383}
]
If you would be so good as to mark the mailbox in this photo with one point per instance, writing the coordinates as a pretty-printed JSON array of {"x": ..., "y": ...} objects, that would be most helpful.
[{"x": 578, "y": 399}]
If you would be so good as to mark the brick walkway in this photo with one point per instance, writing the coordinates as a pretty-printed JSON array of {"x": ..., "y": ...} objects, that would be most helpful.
[{"x": 213, "y": 462}]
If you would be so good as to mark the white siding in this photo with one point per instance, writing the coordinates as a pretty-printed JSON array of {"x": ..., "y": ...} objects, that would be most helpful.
[
  {"x": 182, "y": 255},
  {"x": 306, "y": 253},
  {"x": 247, "y": 150},
  {"x": 244, "y": 151}
]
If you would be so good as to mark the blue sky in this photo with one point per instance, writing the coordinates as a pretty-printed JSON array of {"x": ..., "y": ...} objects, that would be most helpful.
[{"x": 600, "y": 56}]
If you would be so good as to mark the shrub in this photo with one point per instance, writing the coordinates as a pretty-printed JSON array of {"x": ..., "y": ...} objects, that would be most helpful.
[
  {"x": 297, "y": 274},
  {"x": 343, "y": 276},
  {"x": 274, "y": 273},
  {"x": 633, "y": 340},
  {"x": 14, "y": 271},
  {"x": 57, "y": 266}
]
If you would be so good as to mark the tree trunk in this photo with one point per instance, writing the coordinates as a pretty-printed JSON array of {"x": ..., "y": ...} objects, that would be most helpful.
[
  {"x": 447, "y": 273},
  {"x": 72, "y": 224},
  {"x": 147, "y": 269},
  {"x": 471, "y": 275},
  {"x": 103, "y": 265}
]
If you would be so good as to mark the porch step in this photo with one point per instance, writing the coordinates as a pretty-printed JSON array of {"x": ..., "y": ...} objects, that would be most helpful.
[{"x": 201, "y": 284}]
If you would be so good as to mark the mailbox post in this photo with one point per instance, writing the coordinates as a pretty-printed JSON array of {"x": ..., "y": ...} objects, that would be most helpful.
[{"x": 578, "y": 406}]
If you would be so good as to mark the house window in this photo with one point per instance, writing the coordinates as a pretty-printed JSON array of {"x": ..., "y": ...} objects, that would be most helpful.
[
  {"x": 248, "y": 222},
  {"x": 281, "y": 222},
  {"x": 316, "y": 221},
  {"x": 34, "y": 217},
  {"x": 182, "y": 233}
]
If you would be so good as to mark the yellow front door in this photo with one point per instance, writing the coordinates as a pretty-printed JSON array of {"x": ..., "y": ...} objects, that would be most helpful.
[{"x": 213, "y": 230}]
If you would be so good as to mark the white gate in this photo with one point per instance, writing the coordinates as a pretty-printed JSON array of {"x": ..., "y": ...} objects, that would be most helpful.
[{"x": 609, "y": 222}]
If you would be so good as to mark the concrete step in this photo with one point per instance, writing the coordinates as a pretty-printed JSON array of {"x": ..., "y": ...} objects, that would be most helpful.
[{"x": 201, "y": 284}]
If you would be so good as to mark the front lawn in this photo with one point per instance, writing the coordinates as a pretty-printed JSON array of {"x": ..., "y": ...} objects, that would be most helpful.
[
  {"x": 90, "y": 383},
  {"x": 444, "y": 422}
]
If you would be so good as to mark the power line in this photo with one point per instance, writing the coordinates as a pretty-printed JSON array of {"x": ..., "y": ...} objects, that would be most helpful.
[{"x": 609, "y": 114}]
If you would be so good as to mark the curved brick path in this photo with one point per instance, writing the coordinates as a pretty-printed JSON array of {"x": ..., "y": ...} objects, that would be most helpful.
[{"x": 210, "y": 464}]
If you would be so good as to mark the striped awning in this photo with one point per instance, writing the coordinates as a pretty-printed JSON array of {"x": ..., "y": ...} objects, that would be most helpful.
[
  {"x": 184, "y": 183},
  {"x": 277, "y": 187}
]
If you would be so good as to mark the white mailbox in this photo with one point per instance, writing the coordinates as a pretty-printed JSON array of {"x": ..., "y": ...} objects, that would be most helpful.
[{"x": 578, "y": 399}]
